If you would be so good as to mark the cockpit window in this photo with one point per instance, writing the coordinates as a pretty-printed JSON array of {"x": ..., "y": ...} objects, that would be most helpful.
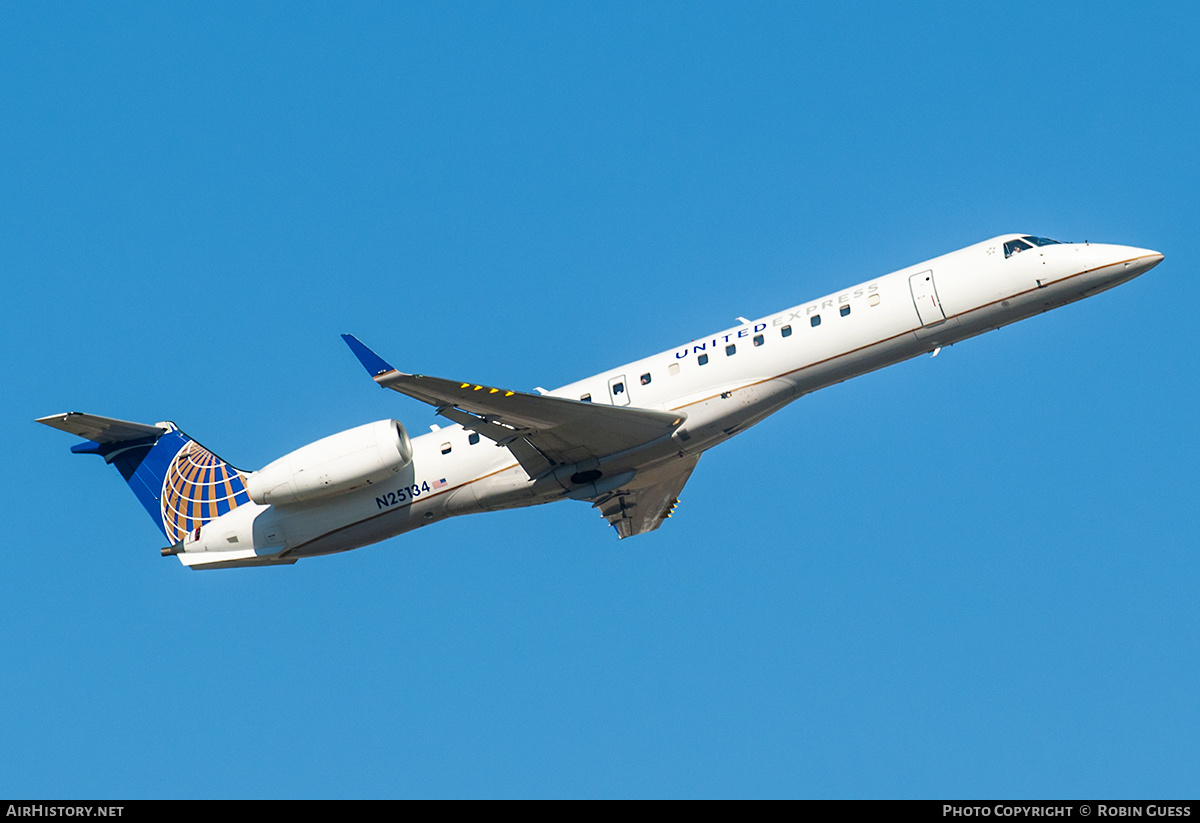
[
  {"x": 1027, "y": 242},
  {"x": 1014, "y": 246}
]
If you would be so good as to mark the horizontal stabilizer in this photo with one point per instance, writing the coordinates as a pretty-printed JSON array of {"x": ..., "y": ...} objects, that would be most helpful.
[
  {"x": 101, "y": 429},
  {"x": 181, "y": 484}
]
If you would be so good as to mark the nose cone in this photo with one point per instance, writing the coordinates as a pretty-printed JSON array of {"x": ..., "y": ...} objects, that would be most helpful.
[
  {"x": 1127, "y": 262},
  {"x": 1113, "y": 265},
  {"x": 1144, "y": 259}
]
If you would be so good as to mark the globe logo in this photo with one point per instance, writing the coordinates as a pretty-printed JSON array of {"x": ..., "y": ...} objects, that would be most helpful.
[{"x": 198, "y": 487}]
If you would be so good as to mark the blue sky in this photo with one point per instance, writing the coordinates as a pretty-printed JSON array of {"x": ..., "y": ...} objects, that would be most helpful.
[{"x": 962, "y": 577}]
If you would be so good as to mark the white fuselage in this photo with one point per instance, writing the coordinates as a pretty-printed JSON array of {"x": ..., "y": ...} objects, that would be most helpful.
[{"x": 724, "y": 382}]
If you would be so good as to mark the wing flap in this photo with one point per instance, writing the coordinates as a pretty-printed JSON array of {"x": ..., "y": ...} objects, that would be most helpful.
[{"x": 648, "y": 500}]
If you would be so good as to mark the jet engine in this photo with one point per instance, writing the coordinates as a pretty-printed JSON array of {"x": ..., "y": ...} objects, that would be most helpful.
[{"x": 334, "y": 465}]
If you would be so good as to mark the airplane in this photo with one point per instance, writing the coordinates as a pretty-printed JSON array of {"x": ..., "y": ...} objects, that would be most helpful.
[{"x": 625, "y": 440}]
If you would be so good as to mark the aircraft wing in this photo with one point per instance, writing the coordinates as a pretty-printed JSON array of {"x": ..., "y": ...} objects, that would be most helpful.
[
  {"x": 649, "y": 499},
  {"x": 542, "y": 432}
]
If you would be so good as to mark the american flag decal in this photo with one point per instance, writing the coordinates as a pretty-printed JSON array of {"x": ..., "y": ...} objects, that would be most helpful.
[{"x": 438, "y": 484}]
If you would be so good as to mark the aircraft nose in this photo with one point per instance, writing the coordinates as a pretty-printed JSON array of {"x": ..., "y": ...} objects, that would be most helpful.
[
  {"x": 1111, "y": 265},
  {"x": 1153, "y": 258},
  {"x": 1142, "y": 260}
]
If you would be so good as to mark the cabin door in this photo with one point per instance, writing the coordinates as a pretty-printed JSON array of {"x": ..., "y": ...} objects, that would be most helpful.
[
  {"x": 925, "y": 298},
  {"x": 618, "y": 390}
]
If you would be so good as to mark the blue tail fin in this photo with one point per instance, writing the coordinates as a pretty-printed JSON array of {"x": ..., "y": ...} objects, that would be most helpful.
[{"x": 179, "y": 482}]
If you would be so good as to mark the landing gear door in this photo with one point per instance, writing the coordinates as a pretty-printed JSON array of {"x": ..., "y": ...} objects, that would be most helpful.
[
  {"x": 925, "y": 298},
  {"x": 618, "y": 390}
]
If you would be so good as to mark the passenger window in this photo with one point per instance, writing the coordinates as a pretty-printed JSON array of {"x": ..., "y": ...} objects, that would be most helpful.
[
  {"x": 618, "y": 388},
  {"x": 758, "y": 340},
  {"x": 815, "y": 321},
  {"x": 673, "y": 369},
  {"x": 873, "y": 300},
  {"x": 445, "y": 448},
  {"x": 473, "y": 438},
  {"x": 702, "y": 359},
  {"x": 730, "y": 350},
  {"x": 786, "y": 331},
  {"x": 586, "y": 398},
  {"x": 646, "y": 379},
  {"x": 845, "y": 310}
]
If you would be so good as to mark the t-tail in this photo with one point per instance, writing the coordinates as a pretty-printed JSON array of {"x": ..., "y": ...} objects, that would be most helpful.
[{"x": 179, "y": 482}]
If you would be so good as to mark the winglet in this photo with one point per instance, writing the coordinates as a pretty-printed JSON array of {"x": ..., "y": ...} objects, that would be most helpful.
[{"x": 373, "y": 363}]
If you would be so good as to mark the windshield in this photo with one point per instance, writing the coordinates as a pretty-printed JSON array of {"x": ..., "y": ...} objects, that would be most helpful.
[
  {"x": 1015, "y": 246},
  {"x": 1027, "y": 242}
]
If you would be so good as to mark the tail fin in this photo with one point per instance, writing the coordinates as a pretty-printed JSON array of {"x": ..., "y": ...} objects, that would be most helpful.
[{"x": 180, "y": 483}]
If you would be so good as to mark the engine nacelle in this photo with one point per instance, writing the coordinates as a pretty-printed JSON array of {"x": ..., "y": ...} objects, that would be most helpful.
[{"x": 334, "y": 465}]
